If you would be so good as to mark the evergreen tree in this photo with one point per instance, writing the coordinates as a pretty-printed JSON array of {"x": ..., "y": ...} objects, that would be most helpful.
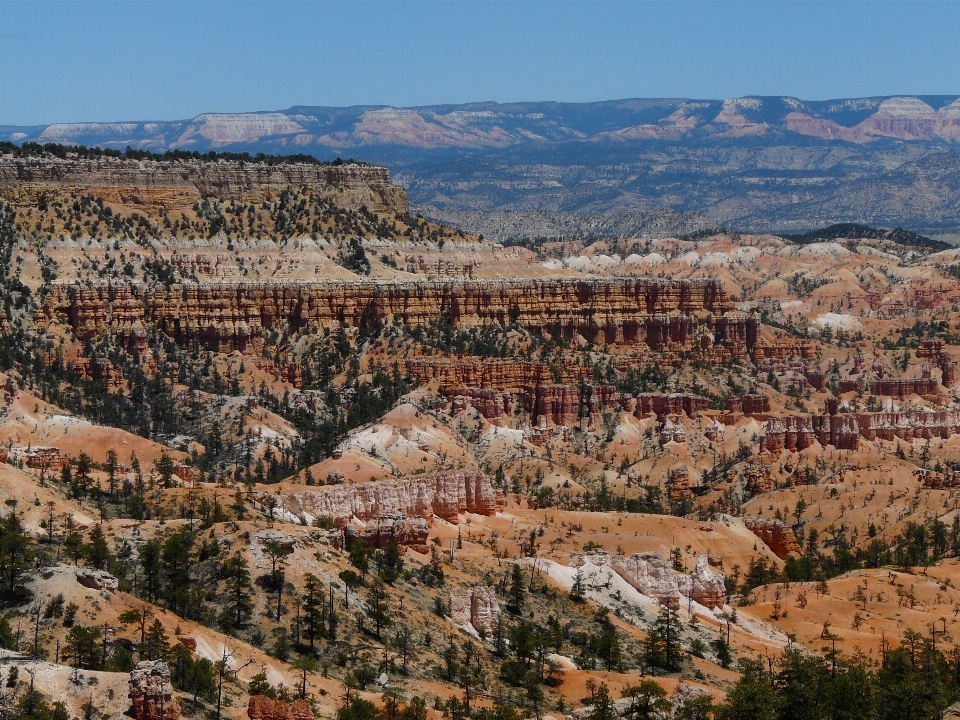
[
  {"x": 377, "y": 607},
  {"x": 239, "y": 606},
  {"x": 390, "y": 563},
  {"x": 578, "y": 591},
  {"x": 16, "y": 557},
  {"x": 648, "y": 701},
  {"x": 155, "y": 646},
  {"x": 603, "y": 707},
  {"x": 313, "y": 609},
  {"x": 754, "y": 697},
  {"x": 82, "y": 647},
  {"x": 150, "y": 555},
  {"x": 663, "y": 643},
  {"x": 177, "y": 560},
  {"x": 73, "y": 545},
  {"x": 96, "y": 551},
  {"x": 360, "y": 556},
  {"x": 515, "y": 596}
]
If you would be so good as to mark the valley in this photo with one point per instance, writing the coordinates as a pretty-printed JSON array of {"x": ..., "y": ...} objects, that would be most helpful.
[{"x": 276, "y": 445}]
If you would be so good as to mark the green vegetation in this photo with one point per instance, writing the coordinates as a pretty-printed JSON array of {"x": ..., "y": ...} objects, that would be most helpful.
[
  {"x": 32, "y": 149},
  {"x": 854, "y": 231}
]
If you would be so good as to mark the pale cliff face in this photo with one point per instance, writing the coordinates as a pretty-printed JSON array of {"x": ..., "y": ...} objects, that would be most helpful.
[{"x": 349, "y": 185}]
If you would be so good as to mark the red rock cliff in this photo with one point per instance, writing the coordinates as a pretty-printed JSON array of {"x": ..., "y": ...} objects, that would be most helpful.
[{"x": 660, "y": 314}]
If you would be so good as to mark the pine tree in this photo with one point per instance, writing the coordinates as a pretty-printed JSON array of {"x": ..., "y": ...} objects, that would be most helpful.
[
  {"x": 663, "y": 644},
  {"x": 377, "y": 609},
  {"x": 155, "y": 646},
  {"x": 517, "y": 591},
  {"x": 73, "y": 545},
  {"x": 390, "y": 564},
  {"x": 313, "y": 609},
  {"x": 239, "y": 606},
  {"x": 603, "y": 707},
  {"x": 96, "y": 551},
  {"x": 578, "y": 591},
  {"x": 16, "y": 555}
]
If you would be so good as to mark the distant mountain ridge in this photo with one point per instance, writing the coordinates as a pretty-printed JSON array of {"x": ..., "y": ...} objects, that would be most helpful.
[
  {"x": 493, "y": 125},
  {"x": 541, "y": 168}
]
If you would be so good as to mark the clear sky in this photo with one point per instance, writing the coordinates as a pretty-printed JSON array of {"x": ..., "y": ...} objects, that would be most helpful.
[{"x": 138, "y": 60}]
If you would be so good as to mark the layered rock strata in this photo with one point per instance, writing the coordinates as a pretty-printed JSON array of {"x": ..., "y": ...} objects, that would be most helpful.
[
  {"x": 261, "y": 707},
  {"x": 477, "y": 606},
  {"x": 776, "y": 536},
  {"x": 844, "y": 430},
  {"x": 151, "y": 693},
  {"x": 444, "y": 494},
  {"x": 567, "y": 405},
  {"x": 349, "y": 185},
  {"x": 651, "y": 575},
  {"x": 933, "y": 480},
  {"x": 386, "y": 529},
  {"x": 757, "y": 478},
  {"x": 905, "y": 387},
  {"x": 680, "y": 484},
  {"x": 658, "y": 314}
]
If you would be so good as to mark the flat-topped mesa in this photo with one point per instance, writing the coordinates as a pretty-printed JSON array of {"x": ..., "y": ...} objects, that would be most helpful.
[
  {"x": 444, "y": 494},
  {"x": 662, "y": 315},
  {"x": 349, "y": 185}
]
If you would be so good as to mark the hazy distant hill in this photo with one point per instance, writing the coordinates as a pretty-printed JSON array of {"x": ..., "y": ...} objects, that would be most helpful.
[{"x": 613, "y": 167}]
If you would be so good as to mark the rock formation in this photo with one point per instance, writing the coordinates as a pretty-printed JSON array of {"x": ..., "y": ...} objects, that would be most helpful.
[
  {"x": 183, "y": 182},
  {"x": 478, "y": 606},
  {"x": 933, "y": 480},
  {"x": 680, "y": 484},
  {"x": 558, "y": 404},
  {"x": 844, "y": 430},
  {"x": 151, "y": 692},
  {"x": 841, "y": 431},
  {"x": 96, "y": 579},
  {"x": 704, "y": 584},
  {"x": 444, "y": 494},
  {"x": 776, "y": 536},
  {"x": 566, "y": 405},
  {"x": 658, "y": 314},
  {"x": 755, "y": 404},
  {"x": 388, "y": 528},
  {"x": 904, "y": 387},
  {"x": 261, "y": 707},
  {"x": 102, "y": 370},
  {"x": 756, "y": 476},
  {"x": 651, "y": 575},
  {"x": 457, "y": 375},
  {"x": 672, "y": 431},
  {"x": 788, "y": 432},
  {"x": 672, "y": 404}
]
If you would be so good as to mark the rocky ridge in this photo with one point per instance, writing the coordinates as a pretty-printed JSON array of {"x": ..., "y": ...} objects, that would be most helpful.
[
  {"x": 684, "y": 314},
  {"x": 179, "y": 182},
  {"x": 444, "y": 494}
]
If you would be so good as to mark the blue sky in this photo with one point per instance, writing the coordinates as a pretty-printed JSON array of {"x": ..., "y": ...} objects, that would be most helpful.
[{"x": 137, "y": 60}]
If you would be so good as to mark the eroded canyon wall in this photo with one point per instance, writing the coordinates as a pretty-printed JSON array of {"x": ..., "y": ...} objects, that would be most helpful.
[
  {"x": 660, "y": 314},
  {"x": 180, "y": 183},
  {"x": 444, "y": 494}
]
